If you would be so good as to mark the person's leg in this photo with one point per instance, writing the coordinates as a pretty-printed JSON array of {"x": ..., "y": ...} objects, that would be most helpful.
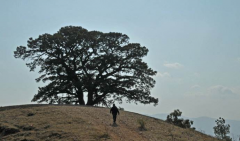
[{"x": 114, "y": 118}]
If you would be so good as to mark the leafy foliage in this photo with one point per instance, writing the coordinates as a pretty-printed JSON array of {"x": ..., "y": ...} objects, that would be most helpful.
[
  {"x": 173, "y": 119},
  {"x": 221, "y": 129},
  {"x": 77, "y": 62}
]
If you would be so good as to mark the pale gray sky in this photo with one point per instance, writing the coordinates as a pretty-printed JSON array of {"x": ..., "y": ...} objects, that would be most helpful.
[{"x": 194, "y": 45}]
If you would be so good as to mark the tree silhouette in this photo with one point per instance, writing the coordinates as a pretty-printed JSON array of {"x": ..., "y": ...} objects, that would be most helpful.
[
  {"x": 77, "y": 62},
  {"x": 173, "y": 118},
  {"x": 221, "y": 130}
]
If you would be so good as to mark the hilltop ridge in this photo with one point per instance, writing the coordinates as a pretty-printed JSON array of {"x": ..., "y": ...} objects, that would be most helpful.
[{"x": 84, "y": 123}]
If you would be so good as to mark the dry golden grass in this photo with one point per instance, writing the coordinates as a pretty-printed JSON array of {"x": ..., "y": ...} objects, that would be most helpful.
[{"x": 82, "y": 123}]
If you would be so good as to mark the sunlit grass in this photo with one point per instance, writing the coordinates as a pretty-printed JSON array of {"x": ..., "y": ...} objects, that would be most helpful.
[{"x": 75, "y": 123}]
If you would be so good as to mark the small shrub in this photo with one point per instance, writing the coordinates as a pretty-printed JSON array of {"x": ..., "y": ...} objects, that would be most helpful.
[
  {"x": 46, "y": 127},
  {"x": 55, "y": 135},
  {"x": 104, "y": 136},
  {"x": 30, "y": 114},
  {"x": 120, "y": 108},
  {"x": 28, "y": 128},
  {"x": 142, "y": 125},
  {"x": 202, "y": 131},
  {"x": 173, "y": 118}
]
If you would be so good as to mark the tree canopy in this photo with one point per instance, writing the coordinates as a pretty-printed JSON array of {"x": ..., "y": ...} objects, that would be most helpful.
[{"x": 76, "y": 62}]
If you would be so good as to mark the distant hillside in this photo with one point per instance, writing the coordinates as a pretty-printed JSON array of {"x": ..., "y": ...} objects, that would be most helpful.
[
  {"x": 82, "y": 123},
  {"x": 206, "y": 124}
]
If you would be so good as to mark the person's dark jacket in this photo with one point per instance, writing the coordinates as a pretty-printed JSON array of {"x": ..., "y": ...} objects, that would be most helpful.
[{"x": 114, "y": 110}]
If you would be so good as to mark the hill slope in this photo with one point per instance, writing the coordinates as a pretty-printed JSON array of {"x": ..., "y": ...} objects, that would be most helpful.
[
  {"x": 206, "y": 124},
  {"x": 82, "y": 123}
]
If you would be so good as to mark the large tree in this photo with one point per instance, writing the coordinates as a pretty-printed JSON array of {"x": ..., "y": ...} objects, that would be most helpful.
[{"x": 77, "y": 62}]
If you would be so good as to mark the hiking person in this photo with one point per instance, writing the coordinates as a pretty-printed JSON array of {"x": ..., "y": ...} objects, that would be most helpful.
[{"x": 114, "y": 111}]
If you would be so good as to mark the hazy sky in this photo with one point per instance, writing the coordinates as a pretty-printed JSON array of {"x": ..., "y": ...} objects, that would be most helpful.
[{"x": 193, "y": 44}]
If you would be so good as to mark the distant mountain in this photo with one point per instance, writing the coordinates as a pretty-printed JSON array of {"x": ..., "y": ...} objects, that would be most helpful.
[{"x": 206, "y": 124}]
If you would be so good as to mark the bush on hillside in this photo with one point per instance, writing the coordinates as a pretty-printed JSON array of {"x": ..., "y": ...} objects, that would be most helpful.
[
  {"x": 173, "y": 118},
  {"x": 120, "y": 108},
  {"x": 142, "y": 125}
]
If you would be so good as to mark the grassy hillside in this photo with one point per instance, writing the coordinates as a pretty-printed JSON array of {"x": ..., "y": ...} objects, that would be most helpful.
[{"x": 82, "y": 123}]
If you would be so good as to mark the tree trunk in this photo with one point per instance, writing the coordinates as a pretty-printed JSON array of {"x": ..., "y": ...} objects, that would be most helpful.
[
  {"x": 80, "y": 98},
  {"x": 90, "y": 98}
]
